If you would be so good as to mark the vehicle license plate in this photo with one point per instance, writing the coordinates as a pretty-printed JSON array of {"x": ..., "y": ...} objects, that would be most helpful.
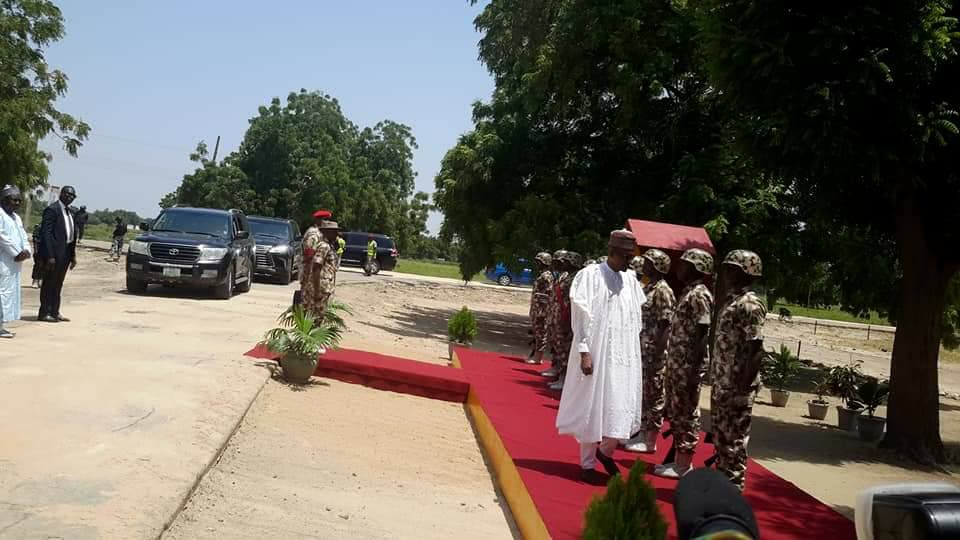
[{"x": 171, "y": 272}]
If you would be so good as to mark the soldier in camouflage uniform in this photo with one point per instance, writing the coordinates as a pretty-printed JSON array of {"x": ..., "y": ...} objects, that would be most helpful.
[
  {"x": 319, "y": 274},
  {"x": 563, "y": 329},
  {"x": 657, "y": 314},
  {"x": 737, "y": 355},
  {"x": 539, "y": 306},
  {"x": 686, "y": 350},
  {"x": 555, "y": 269}
]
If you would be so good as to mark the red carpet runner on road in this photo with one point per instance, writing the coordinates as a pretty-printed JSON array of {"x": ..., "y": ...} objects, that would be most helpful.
[{"x": 523, "y": 412}]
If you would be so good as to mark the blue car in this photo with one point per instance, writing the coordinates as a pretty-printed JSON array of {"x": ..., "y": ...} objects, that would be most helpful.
[{"x": 502, "y": 275}]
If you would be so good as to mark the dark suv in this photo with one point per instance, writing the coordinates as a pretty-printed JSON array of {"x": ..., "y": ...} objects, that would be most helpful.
[
  {"x": 356, "y": 249},
  {"x": 194, "y": 247},
  {"x": 279, "y": 248}
]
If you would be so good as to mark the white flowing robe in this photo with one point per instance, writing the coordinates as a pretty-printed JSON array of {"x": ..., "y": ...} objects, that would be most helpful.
[
  {"x": 13, "y": 240},
  {"x": 605, "y": 310}
]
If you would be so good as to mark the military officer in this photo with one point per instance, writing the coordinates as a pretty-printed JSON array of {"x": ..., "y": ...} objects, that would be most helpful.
[
  {"x": 686, "y": 351},
  {"x": 657, "y": 314},
  {"x": 737, "y": 356},
  {"x": 540, "y": 306},
  {"x": 552, "y": 313}
]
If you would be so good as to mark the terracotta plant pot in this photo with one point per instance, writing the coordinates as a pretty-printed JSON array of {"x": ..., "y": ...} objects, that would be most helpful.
[
  {"x": 817, "y": 410},
  {"x": 871, "y": 428},
  {"x": 847, "y": 418},
  {"x": 298, "y": 369},
  {"x": 779, "y": 397}
]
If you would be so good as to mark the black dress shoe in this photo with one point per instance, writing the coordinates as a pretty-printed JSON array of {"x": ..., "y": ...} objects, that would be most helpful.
[
  {"x": 593, "y": 478},
  {"x": 61, "y": 318},
  {"x": 608, "y": 464},
  {"x": 48, "y": 318}
]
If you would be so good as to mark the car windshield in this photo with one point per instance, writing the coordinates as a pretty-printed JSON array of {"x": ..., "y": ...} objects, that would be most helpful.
[
  {"x": 275, "y": 229},
  {"x": 217, "y": 225}
]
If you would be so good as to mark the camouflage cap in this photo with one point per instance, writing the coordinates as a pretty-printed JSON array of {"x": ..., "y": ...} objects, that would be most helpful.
[
  {"x": 544, "y": 258},
  {"x": 660, "y": 260},
  {"x": 636, "y": 264},
  {"x": 700, "y": 259},
  {"x": 747, "y": 261}
]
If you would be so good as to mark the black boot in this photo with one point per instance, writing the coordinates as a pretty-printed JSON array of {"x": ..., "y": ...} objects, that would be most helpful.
[{"x": 608, "y": 464}]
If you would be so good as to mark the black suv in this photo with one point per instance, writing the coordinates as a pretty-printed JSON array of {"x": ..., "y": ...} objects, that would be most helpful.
[
  {"x": 194, "y": 247},
  {"x": 279, "y": 248},
  {"x": 356, "y": 250}
]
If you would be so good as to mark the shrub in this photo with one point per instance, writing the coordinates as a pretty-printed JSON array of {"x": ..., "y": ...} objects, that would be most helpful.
[
  {"x": 462, "y": 327},
  {"x": 844, "y": 381},
  {"x": 779, "y": 368},
  {"x": 300, "y": 335},
  {"x": 628, "y": 510}
]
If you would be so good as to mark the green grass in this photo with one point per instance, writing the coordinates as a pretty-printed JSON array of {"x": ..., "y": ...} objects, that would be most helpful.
[
  {"x": 104, "y": 233},
  {"x": 832, "y": 314},
  {"x": 432, "y": 269}
]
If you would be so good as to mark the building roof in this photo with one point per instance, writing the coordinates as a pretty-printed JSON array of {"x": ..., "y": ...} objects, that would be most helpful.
[{"x": 653, "y": 234}]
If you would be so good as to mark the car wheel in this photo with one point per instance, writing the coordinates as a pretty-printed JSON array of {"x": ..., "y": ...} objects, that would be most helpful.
[
  {"x": 504, "y": 280},
  {"x": 375, "y": 267},
  {"x": 287, "y": 276},
  {"x": 245, "y": 286},
  {"x": 225, "y": 291},
  {"x": 135, "y": 286}
]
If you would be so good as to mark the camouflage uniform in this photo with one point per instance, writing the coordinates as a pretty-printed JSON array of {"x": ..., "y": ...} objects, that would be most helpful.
[
  {"x": 540, "y": 303},
  {"x": 319, "y": 274},
  {"x": 553, "y": 311},
  {"x": 563, "y": 329},
  {"x": 684, "y": 366},
  {"x": 659, "y": 308},
  {"x": 739, "y": 322}
]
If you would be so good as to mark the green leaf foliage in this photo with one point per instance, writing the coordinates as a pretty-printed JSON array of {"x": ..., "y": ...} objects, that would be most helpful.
[
  {"x": 300, "y": 335},
  {"x": 304, "y": 155},
  {"x": 780, "y": 368},
  {"x": 872, "y": 393},
  {"x": 462, "y": 327},
  {"x": 29, "y": 89},
  {"x": 627, "y": 511}
]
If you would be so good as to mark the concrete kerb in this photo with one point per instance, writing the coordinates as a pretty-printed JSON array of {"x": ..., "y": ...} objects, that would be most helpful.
[{"x": 214, "y": 460}]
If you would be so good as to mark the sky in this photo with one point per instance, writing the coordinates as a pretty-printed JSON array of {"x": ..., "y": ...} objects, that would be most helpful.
[{"x": 154, "y": 78}]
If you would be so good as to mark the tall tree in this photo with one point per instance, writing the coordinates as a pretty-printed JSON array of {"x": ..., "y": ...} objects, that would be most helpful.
[
  {"x": 305, "y": 154},
  {"x": 857, "y": 104},
  {"x": 29, "y": 89}
]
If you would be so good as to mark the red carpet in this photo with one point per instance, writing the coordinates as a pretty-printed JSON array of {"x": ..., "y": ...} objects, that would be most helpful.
[
  {"x": 387, "y": 373},
  {"x": 523, "y": 413}
]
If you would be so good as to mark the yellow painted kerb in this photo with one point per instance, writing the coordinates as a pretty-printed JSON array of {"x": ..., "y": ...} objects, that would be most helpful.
[{"x": 524, "y": 512}]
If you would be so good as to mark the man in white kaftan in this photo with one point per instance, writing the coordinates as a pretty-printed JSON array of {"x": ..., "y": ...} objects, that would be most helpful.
[
  {"x": 14, "y": 249},
  {"x": 601, "y": 401}
]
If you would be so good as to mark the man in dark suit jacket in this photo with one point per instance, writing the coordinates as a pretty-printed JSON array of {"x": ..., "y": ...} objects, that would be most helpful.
[{"x": 58, "y": 250}]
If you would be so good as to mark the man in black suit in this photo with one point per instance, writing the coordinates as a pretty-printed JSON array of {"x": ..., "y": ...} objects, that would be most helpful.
[{"x": 58, "y": 250}]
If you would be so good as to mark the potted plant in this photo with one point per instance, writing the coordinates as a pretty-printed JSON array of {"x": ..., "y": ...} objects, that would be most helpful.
[
  {"x": 628, "y": 509},
  {"x": 872, "y": 393},
  {"x": 819, "y": 406},
  {"x": 844, "y": 381},
  {"x": 778, "y": 369},
  {"x": 300, "y": 339},
  {"x": 462, "y": 329}
]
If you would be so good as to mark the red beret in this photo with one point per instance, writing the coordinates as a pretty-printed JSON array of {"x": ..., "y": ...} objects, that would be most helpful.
[{"x": 323, "y": 214}]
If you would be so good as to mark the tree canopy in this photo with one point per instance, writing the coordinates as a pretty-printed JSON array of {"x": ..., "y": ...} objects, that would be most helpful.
[
  {"x": 29, "y": 89},
  {"x": 305, "y": 154}
]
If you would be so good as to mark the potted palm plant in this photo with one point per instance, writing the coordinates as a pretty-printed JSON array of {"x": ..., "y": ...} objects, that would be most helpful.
[
  {"x": 872, "y": 393},
  {"x": 819, "y": 406},
  {"x": 300, "y": 339},
  {"x": 844, "y": 381},
  {"x": 779, "y": 368},
  {"x": 461, "y": 329}
]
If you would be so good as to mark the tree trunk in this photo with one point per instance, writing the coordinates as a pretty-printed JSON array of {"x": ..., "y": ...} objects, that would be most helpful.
[{"x": 913, "y": 415}]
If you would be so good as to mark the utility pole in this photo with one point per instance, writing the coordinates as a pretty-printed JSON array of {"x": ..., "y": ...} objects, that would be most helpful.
[{"x": 216, "y": 148}]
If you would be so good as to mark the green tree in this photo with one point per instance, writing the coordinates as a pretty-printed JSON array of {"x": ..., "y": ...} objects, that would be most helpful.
[
  {"x": 305, "y": 154},
  {"x": 29, "y": 89},
  {"x": 856, "y": 104},
  {"x": 602, "y": 111}
]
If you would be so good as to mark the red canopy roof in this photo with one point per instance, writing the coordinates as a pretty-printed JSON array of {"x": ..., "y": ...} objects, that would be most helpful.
[{"x": 653, "y": 234}]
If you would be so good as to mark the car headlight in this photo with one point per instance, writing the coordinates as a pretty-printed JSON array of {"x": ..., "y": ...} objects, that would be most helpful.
[
  {"x": 280, "y": 250},
  {"x": 212, "y": 253},
  {"x": 139, "y": 247}
]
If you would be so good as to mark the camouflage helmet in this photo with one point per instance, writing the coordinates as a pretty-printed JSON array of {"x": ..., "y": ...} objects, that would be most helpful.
[
  {"x": 558, "y": 255},
  {"x": 544, "y": 258},
  {"x": 588, "y": 262},
  {"x": 747, "y": 261},
  {"x": 660, "y": 260},
  {"x": 636, "y": 264},
  {"x": 575, "y": 259},
  {"x": 601, "y": 260},
  {"x": 700, "y": 259}
]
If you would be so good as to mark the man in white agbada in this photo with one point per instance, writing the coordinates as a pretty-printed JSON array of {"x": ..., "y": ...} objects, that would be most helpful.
[
  {"x": 14, "y": 249},
  {"x": 600, "y": 404}
]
